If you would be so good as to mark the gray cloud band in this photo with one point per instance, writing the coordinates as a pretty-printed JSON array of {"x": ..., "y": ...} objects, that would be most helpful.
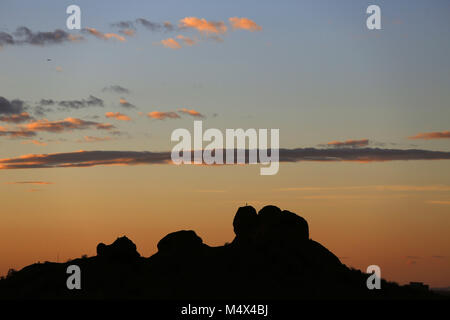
[{"x": 95, "y": 158}]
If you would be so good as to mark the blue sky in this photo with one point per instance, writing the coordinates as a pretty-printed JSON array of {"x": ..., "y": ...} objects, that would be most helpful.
[{"x": 313, "y": 69}]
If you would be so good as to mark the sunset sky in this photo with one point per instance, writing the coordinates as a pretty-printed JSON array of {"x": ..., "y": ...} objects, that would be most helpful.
[{"x": 349, "y": 102}]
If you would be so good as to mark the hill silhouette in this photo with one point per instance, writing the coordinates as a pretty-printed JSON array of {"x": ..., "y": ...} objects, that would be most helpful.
[{"x": 271, "y": 257}]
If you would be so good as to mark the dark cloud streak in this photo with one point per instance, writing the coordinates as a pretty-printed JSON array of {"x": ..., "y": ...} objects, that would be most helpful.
[{"x": 94, "y": 158}]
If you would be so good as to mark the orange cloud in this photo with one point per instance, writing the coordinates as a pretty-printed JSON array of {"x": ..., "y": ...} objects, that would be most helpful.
[
  {"x": 16, "y": 118},
  {"x": 431, "y": 135},
  {"x": 191, "y": 113},
  {"x": 104, "y": 36},
  {"x": 244, "y": 23},
  {"x": 171, "y": 43},
  {"x": 124, "y": 103},
  {"x": 162, "y": 115},
  {"x": 30, "y": 182},
  {"x": 349, "y": 143},
  {"x": 203, "y": 26},
  {"x": 21, "y": 133},
  {"x": 188, "y": 41},
  {"x": 63, "y": 125},
  {"x": 117, "y": 116},
  {"x": 94, "y": 139},
  {"x": 36, "y": 142},
  {"x": 444, "y": 202},
  {"x": 104, "y": 126},
  {"x": 128, "y": 32}
]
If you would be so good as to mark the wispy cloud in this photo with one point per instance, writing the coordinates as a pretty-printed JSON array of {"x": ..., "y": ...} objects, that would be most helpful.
[
  {"x": 17, "y": 118},
  {"x": 117, "y": 116},
  {"x": 91, "y": 101},
  {"x": 21, "y": 133},
  {"x": 124, "y": 103},
  {"x": 116, "y": 89},
  {"x": 94, "y": 139},
  {"x": 390, "y": 188},
  {"x": 30, "y": 182},
  {"x": 439, "y": 202},
  {"x": 431, "y": 135},
  {"x": 187, "y": 41},
  {"x": 244, "y": 24},
  {"x": 171, "y": 43},
  {"x": 192, "y": 113},
  {"x": 24, "y": 35},
  {"x": 163, "y": 115},
  {"x": 63, "y": 125},
  {"x": 104, "y": 36},
  {"x": 202, "y": 25},
  {"x": 349, "y": 143},
  {"x": 36, "y": 142}
]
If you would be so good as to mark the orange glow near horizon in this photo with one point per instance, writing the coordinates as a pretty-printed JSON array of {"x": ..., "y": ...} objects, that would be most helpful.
[{"x": 385, "y": 222}]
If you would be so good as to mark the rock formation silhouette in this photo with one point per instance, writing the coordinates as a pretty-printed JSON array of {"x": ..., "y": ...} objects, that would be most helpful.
[{"x": 271, "y": 257}]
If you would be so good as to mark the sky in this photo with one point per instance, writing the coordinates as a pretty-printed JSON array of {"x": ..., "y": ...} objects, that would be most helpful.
[{"x": 86, "y": 118}]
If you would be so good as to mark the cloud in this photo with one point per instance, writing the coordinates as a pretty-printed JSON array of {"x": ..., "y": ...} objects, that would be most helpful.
[
  {"x": 187, "y": 41},
  {"x": 95, "y": 158},
  {"x": 105, "y": 126},
  {"x": 192, "y": 113},
  {"x": 17, "y": 118},
  {"x": 16, "y": 133},
  {"x": 431, "y": 135},
  {"x": 94, "y": 139},
  {"x": 91, "y": 101},
  {"x": 117, "y": 116},
  {"x": 163, "y": 115},
  {"x": 15, "y": 106},
  {"x": 45, "y": 105},
  {"x": 126, "y": 27},
  {"x": 123, "y": 24},
  {"x": 116, "y": 89},
  {"x": 349, "y": 143},
  {"x": 128, "y": 32},
  {"x": 244, "y": 24},
  {"x": 36, "y": 142},
  {"x": 155, "y": 26},
  {"x": 360, "y": 154},
  {"x": 441, "y": 202},
  {"x": 6, "y": 39},
  {"x": 67, "y": 124},
  {"x": 47, "y": 102},
  {"x": 390, "y": 188},
  {"x": 171, "y": 43},
  {"x": 104, "y": 36},
  {"x": 124, "y": 103},
  {"x": 203, "y": 26},
  {"x": 167, "y": 26},
  {"x": 30, "y": 182},
  {"x": 84, "y": 159},
  {"x": 24, "y": 35}
]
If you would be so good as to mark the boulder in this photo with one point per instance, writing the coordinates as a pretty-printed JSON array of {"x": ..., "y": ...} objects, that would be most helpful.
[
  {"x": 180, "y": 242},
  {"x": 245, "y": 221},
  {"x": 122, "y": 249}
]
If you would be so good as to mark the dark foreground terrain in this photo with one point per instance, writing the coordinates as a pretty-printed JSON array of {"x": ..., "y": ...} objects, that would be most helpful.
[{"x": 271, "y": 257}]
